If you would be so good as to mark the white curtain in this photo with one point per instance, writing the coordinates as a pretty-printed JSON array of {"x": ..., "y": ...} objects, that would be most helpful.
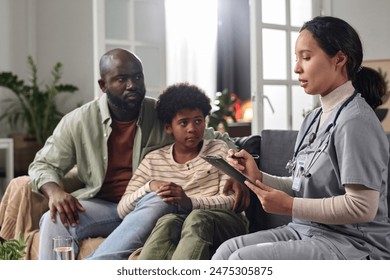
[{"x": 191, "y": 40}]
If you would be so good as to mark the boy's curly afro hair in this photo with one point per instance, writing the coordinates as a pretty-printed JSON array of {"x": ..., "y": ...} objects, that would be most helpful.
[{"x": 181, "y": 96}]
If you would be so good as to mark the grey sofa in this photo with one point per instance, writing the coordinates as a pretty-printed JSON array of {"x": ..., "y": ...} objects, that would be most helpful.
[{"x": 276, "y": 148}]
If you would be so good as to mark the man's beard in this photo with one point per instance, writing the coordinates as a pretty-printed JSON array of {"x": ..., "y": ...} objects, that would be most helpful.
[{"x": 120, "y": 104}]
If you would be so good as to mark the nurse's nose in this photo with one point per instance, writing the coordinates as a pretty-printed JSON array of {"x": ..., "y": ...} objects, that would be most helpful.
[{"x": 297, "y": 68}]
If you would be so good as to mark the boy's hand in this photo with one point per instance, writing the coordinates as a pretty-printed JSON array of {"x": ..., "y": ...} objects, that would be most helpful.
[
  {"x": 174, "y": 194},
  {"x": 156, "y": 184}
]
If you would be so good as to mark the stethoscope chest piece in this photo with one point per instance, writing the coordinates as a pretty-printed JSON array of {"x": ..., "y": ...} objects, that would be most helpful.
[{"x": 291, "y": 164}]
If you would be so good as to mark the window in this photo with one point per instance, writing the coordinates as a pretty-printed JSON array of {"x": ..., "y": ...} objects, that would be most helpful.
[
  {"x": 191, "y": 40},
  {"x": 173, "y": 41},
  {"x": 278, "y": 101},
  {"x": 138, "y": 26}
]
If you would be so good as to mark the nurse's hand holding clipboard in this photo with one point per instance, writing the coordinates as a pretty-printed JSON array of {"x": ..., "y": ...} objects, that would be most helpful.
[{"x": 272, "y": 200}]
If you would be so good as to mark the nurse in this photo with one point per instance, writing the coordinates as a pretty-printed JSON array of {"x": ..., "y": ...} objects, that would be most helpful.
[{"x": 336, "y": 194}]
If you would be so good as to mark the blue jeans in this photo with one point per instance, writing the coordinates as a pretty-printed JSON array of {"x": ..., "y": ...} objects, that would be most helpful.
[
  {"x": 135, "y": 228},
  {"x": 99, "y": 219}
]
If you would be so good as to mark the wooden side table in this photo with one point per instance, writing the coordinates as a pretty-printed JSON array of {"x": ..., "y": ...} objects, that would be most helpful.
[{"x": 8, "y": 145}]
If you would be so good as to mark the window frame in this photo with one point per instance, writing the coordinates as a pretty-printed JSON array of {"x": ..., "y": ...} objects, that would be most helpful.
[{"x": 258, "y": 97}]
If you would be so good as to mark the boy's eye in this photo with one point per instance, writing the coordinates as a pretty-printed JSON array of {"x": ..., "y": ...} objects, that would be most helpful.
[
  {"x": 198, "y": 121},
  {"x": 183, "y": 123}
]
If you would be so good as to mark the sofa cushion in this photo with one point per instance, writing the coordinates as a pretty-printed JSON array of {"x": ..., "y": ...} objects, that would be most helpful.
[{"x": 276, "y": 149}]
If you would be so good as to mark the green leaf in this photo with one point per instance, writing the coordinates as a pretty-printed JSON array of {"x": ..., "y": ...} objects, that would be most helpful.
[
  {"x": 13, "y": 249},
  {"x": 34, "y": 106}
]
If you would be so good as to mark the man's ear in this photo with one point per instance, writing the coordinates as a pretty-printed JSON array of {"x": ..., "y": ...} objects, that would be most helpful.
[
  {"x": 102, "y": 85},
  {"x": 168, "y": 128}
]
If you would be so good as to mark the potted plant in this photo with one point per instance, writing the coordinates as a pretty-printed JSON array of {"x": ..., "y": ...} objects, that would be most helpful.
[
  {"x": 34, "y": 109},
  {"x": 225, "y": 103},
  {"x": 13, "y": 249},
  {"x": 382, "y": 111}
]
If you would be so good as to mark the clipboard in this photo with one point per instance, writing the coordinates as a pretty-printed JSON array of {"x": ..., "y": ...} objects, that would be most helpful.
[{"x": 226, "y": 168}]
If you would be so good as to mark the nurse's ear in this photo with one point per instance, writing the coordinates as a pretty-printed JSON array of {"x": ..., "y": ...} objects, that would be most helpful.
[{"x": 341, "y": 59}]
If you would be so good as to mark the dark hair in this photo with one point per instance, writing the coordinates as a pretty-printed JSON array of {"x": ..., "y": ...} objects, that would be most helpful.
[
  {"x": 181, "y": 96},
  {"x": 333, "y": 35},
  {"x": 372, "y": 85}
]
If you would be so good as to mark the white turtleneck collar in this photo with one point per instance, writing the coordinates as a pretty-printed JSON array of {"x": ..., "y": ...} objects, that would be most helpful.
[{"x": 334, "y": 98}]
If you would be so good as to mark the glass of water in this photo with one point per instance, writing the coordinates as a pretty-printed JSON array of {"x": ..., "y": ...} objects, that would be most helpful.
[{"x": 63, "y": 248}]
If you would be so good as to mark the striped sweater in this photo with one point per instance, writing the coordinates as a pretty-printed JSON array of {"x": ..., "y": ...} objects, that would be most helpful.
[{"x": 201, "y": 182}]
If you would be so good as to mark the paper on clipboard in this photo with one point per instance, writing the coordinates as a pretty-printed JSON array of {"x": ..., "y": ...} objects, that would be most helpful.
[{"x": 226, "y": 168}]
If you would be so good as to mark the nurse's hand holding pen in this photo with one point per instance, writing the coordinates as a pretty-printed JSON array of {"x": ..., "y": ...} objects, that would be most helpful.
[
  {"x": 244, "y": 162},
  {"x": 272, "y": 200}
]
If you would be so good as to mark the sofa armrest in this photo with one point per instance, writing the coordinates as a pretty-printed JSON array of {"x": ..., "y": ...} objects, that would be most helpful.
[{"x": 251, "y": 144}]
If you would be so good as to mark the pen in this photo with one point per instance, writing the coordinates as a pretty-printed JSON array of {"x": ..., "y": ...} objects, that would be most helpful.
[{"x": 236, "y": 157}]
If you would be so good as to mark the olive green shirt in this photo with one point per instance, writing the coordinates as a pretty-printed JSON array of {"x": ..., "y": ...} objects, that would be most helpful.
[{"x": 81, "y": 139}]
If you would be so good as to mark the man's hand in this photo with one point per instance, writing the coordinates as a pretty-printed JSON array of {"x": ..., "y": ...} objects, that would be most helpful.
[
  {"x": 62, "y": 202},
  {"x": 241, "y": 195}
]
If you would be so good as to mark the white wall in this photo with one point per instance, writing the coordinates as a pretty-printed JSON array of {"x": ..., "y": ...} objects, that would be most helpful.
[
  {"x": 51, "y": 31},
  {"x": 372, "y": 21},
  {"x": 15, "y": 32},
  {"x": 5, "y": 32},
  {"x": 64, "y": 32}
]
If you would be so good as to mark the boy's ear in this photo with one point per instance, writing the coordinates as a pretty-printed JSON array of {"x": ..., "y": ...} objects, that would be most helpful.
[{"x": 168, "y": 128}]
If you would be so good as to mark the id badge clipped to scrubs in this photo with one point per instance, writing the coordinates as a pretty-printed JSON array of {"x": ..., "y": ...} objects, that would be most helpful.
[{"x": 298, "y": 173}]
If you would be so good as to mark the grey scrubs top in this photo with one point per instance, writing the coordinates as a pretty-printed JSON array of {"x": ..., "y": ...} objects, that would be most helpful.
[{"x": 353, "y": 151}]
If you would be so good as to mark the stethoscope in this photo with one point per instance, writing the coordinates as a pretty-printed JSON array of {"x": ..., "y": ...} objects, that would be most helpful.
[{"x": 290, "y": 166}]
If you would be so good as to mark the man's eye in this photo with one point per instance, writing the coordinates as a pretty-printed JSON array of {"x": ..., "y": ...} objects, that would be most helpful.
[
  {"x": 198, "y": 121},
  {"x": 306, "y": 58},
  {"x": 183, "y": 123}
]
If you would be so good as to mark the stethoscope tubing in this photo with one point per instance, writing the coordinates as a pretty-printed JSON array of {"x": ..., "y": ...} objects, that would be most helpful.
[{"x": 332, "y": 124}]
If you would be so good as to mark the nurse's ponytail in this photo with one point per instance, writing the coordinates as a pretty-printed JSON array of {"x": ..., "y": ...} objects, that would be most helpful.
[{"x": 372, "y": 85}]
